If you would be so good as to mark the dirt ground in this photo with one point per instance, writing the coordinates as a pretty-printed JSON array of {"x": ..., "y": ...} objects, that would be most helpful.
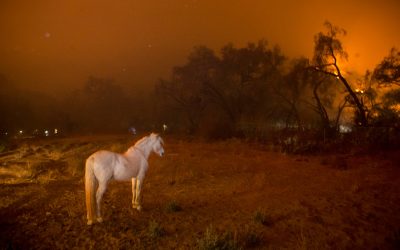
[{"x": 202, "y": 195}]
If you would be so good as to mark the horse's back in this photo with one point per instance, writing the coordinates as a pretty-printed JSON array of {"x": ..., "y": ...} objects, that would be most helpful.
[{"x": 107, "y": 165}]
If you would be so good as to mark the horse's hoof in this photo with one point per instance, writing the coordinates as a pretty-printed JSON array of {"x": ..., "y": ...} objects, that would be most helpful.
[
  {"x": 100, "y": 220},
  {"x": 89, "y": 222},
  {"x": 139, "y": 208}
]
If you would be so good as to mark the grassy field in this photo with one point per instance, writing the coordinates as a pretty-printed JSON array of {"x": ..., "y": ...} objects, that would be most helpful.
[{"x": 201, "y": 195}]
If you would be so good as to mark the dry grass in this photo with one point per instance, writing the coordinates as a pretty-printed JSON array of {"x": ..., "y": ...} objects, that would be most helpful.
[{"x": 252, "y": 197}]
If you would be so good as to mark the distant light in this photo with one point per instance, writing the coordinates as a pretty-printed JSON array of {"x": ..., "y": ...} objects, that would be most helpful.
[
  {"x": 46, "y": 133},
  {"x": 55, "y": 131},
  {"x": 165, "y": 127},
  {"x": 344, "y": 129},
  {"x": 21, "y": 132},
  {"x": 132, "y": 130}
]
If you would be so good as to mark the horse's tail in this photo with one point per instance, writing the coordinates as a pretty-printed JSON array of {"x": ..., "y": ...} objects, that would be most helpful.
[{"x": 90, "y": 185}]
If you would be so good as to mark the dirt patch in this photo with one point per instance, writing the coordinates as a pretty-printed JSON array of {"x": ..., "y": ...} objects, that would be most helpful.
[{"x": 224, "y": 193}]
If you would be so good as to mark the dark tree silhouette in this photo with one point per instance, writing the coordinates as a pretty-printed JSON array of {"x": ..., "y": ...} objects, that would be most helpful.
[
  {"x": 233, "y": 87},
  {"x": 186, "y": 86},
  {"x": 246, "y": 78},
  {"x": 388, "y": 71},
  {"x": 328, "y": 49},
  {"x": 387, "y": 74},
  {"x": 293, "y": 92}
]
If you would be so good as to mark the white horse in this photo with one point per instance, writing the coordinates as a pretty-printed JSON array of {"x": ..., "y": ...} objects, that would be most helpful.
[{"x": 103, "y": 166}]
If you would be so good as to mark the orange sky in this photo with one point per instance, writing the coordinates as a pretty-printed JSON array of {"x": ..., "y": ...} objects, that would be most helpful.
[{"x": 54, "y": 45}]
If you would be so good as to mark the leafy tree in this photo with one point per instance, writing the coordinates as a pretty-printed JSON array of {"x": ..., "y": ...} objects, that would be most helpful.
[
  {"x": 328, "y": 49},
  {"x": 186, "y": 86},
  {"x": 388, "y": 71},
  {"x": 235, "y": 86},
  {"x": 387, "y": 74},
  {"x": 100, "y": 105},
  {"x": 293, "y": 92},
  {"x": 246, "y": 79}
]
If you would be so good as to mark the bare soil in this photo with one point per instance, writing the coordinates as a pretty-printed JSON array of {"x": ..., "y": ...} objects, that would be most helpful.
[{"x": 202, "y": 195}]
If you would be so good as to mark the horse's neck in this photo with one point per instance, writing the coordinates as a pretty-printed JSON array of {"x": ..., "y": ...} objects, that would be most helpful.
[
  {"x": 141, "y": 148},
  {"x": 143, "y": 151}
]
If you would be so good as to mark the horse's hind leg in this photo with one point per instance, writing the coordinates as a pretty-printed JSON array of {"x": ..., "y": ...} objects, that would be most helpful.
[{"x": 99, "y": 194}]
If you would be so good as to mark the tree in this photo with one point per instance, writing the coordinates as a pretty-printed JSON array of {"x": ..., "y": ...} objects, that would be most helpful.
[
  {"x": 246, "y": 79},
  {"x": 100, "y": 105},
  {"x": 388, "y": 71},
  {"x": 387, "y": 74},
  {"x": 186, "y": 86},
  {"x": 328, "y": 49},
  {"x": 293, "y": 91},
  {"x": 232, "y": 87}
]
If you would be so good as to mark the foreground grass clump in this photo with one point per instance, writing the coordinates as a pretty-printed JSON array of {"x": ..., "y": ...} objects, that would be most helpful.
[
  {"x": 211, "y": 240},
  {"x": 246, "y": 238},
  {"x": 262, "y": 218},
  {"x": 172, "y": 207},
  {"x": 155, "y": 230}
]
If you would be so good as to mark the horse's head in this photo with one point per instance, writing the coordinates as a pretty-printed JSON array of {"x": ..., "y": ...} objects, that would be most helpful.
[{"x": 157, "y": 145}]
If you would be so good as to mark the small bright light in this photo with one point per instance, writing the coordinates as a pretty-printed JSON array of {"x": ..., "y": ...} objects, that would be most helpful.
[
  {"x": 46, "y": 133},
  {"x": 55, "y": 131},
  {"x": 132, "y": 130},
  {"x": 165, "y": 127},
  {"x": 344, "y": 129},
  {"x": 21, "y": 132}
]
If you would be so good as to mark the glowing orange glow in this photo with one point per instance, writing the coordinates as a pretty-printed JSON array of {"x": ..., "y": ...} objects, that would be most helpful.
[{"x": 56, "y": 45}]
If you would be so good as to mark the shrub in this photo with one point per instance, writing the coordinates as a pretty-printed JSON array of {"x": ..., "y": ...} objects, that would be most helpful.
[
  {"x": 212, "y": 241},
  {"x": 173, "y": 206},
  {"x": 246, "y": 238},
  {"x": 261, "y": 217},
  {"x": 155, "y": 230},
  {"x": 250, "y": 238}
]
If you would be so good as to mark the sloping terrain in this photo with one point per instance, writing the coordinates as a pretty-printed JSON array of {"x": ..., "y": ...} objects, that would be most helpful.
[{"x": 230, "y": 195}]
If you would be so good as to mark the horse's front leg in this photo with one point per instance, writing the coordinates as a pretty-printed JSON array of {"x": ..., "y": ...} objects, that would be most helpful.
[
  {"x": 136, "y": 189},
  {"x": 134, "y": 205}
]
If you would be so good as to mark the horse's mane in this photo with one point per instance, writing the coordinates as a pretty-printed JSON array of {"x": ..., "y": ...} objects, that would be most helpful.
[
  {"x": 146, "y": 139},
  {"x": 142, "y": 141}
]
